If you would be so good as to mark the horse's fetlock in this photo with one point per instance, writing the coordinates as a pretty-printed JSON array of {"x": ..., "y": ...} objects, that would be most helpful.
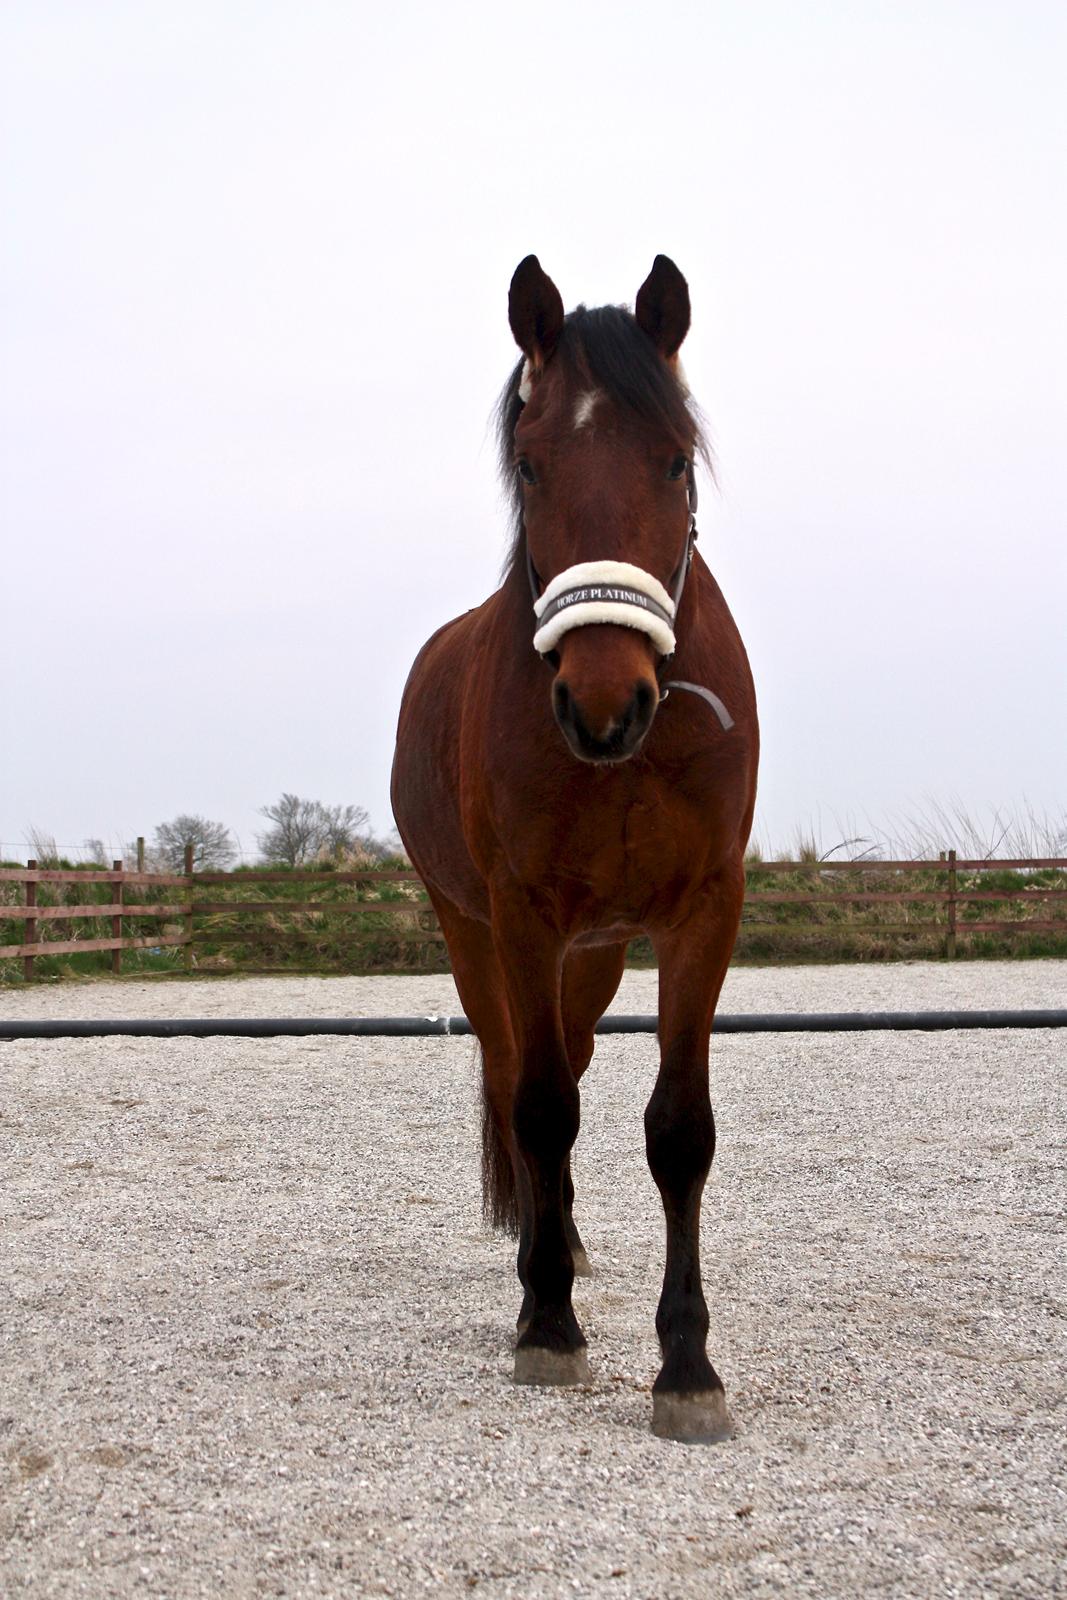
[
  {"x": 683, "y": 1328},
  {"x": 550, "y": 1272}
]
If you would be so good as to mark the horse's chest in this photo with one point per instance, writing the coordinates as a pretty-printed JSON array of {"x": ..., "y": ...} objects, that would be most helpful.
[{"x": 609, "y": 854}]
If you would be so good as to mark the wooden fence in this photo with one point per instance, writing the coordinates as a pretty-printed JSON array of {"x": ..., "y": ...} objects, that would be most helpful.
[
  {"x": 189, "y": 916},
  {"x": 945, "y": 905},
  {"x": 37, "y": 917}
]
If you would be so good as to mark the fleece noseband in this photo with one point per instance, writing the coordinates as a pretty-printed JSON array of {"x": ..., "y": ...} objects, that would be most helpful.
[{"x": 604, "y": 591}]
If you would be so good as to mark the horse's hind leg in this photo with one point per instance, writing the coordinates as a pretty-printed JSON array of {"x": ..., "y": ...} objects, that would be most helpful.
[
  {"x": 591, "y": 977},
  {"x": 687, "y": 1397}
]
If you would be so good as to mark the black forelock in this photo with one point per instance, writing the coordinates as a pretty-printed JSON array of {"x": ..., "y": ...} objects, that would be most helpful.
[{"x": 604, "y": 347}]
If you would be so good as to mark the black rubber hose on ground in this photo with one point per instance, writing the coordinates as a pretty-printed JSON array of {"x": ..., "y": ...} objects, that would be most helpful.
[{"x": 407, "y": 1027}]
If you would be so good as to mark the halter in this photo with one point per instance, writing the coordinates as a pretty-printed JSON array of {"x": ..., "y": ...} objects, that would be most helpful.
[
  {"x": 620, "y": 593},
  {"x": 613, "y": 592}
]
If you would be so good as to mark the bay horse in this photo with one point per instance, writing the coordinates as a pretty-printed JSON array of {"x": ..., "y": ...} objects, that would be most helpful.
[{"x": 576, "y": 765}]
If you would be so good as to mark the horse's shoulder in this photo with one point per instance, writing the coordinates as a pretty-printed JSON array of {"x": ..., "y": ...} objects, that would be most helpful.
[{"x": 458, "y": 632}]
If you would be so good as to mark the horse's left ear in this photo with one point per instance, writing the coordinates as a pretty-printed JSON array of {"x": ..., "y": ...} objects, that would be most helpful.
[
  {"x": 662, "y": 308},
  {"x": 535, "y": 311}
]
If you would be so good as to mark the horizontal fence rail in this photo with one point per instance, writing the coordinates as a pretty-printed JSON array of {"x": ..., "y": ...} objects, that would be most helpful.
[
  {"x": 422, "y": 1027},
  {"x": 61, "y": 911}
]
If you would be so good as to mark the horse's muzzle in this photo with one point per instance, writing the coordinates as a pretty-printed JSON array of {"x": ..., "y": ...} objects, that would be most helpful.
[{"x": 605, "y": 738}]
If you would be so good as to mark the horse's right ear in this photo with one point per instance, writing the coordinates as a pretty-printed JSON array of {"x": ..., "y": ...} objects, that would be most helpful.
[
  {"x": 662, "y": 307},
  {"x": 535, "y": 311}
]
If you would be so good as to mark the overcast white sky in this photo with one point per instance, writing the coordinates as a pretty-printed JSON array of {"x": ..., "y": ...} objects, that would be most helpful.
[{"x": 253, "y": 285}]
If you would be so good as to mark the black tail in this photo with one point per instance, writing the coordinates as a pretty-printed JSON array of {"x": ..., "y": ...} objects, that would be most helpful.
[{"x": 500, "y": 1202}]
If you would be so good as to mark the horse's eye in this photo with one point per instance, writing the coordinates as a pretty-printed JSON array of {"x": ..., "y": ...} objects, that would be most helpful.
[
  {"x": 678, "y": 468},
  {"x": 526, "y": 472}
]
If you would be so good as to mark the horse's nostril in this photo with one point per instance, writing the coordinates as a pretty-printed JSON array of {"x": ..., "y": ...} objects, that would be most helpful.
[
  {"x": 561, "y": 700},
  {"x": 646, "y": 698}
]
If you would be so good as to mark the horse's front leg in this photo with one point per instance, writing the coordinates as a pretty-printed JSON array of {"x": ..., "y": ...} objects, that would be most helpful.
[
  {"x": 551, "y": 1345},
  {"x": 687, "y": 1397}
]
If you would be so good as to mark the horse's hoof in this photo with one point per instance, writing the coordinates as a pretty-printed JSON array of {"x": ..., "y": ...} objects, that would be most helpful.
[
  {"x": 535, "y": 1364},
  {"x": 582, "y": 1269},
  {"x": 692, "y": 1418}
]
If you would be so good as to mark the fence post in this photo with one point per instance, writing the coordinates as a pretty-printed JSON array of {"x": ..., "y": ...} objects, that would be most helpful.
[
  {"x": 116, "y": 922},
  {"x": 140, "y": 852},
  {"x": 950, "y": 937},
  {"x": 29, "y": 932},
  {"x": 189, "y": 919}
]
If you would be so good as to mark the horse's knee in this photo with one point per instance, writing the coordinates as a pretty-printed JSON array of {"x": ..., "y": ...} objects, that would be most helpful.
[
  {"x": 546, "y": 1117},
  {"x": 679, "y": 1134}
]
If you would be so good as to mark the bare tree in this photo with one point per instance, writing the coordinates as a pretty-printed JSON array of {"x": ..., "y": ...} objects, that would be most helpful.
[
  {"x": 213, "y": 846},
  {"x": 303, "y": 830},
  {"x": 296, "y": 830},
  {"x": 342, "y": 828}
]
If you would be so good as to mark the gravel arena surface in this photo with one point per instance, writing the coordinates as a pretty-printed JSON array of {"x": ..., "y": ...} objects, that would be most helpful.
[{"x": 255, "y": 1340}]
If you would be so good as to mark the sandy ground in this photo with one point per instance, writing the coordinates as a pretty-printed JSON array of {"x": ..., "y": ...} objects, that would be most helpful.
[{"x": 254, "y": 1340}]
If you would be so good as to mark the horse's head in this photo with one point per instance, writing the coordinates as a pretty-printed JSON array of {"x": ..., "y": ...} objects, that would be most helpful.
[{"x": 598, "y": 442}]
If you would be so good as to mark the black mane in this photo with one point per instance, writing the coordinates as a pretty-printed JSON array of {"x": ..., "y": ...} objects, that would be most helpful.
[{"x": 607, "y": 349}]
